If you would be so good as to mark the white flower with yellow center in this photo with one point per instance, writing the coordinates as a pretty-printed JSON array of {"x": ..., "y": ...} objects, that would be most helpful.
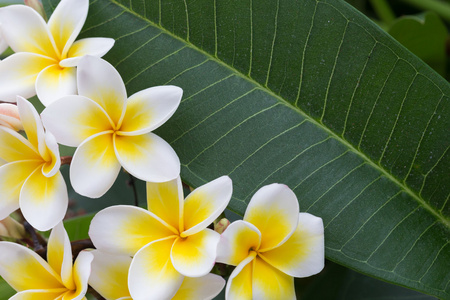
[
  {"x": 111, "y": 131},
  {"x": 46, "y": 54},
  {"x": 169, "y": 241},
  {"x": 30, "y": 176},
  {"x": 273, "y": 244},
  {"x": 57, "y": 278},
  {"x": 109, "y": 277}
]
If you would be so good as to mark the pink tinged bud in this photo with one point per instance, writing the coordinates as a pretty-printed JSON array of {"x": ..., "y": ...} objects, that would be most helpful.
[
  {"x": 37, "y": 6},
  {"x": 9, "y": 116},
  {"x": 221, "y": 225},
  {"x": 11, "y": 228}
]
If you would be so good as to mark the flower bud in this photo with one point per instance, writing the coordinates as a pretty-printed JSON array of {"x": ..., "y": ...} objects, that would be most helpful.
[
  {"x": 221, "y": 225},
  {"x": 9, "y": 116},
  {"x": 11, "y": 228},
  {"x": 37, "y": 6}
]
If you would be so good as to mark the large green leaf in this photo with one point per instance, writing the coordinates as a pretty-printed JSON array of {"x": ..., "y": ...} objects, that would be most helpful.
[{"x": 308, "y": 93}]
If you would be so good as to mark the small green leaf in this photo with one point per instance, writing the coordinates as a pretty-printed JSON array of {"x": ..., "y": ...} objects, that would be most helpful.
[
  {"x": 6, "y": 291},
  {"x": 424, "y": 35}
]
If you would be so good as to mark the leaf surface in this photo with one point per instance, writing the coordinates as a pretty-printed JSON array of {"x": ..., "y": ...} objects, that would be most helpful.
[{"x": 307, "y": 93}]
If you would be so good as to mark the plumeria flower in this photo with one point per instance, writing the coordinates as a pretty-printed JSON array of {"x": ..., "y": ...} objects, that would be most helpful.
[
  {"x": 46, "y": 54},
  {"x": 109, "y": 277},
  {"x": 111, "y": 131},
  {"x": 9, "y": 116},
  {"x": 57, "y": 278},
  {"x": 169, "y": 241},
  {"x": 30, "y": 178},
  {"x": 10, "y": 228},
  {"x": 273, "y": 244}
]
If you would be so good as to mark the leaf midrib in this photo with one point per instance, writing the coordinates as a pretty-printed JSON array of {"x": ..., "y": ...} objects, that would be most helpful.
[{"x": 404, "y": 187}]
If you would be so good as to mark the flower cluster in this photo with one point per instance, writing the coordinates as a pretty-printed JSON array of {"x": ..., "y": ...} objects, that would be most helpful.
[{"x": 166, "y": 251}]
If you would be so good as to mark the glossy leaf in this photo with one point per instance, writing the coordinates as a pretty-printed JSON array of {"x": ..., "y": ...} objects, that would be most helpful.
[{"x": 307, "y": 93}]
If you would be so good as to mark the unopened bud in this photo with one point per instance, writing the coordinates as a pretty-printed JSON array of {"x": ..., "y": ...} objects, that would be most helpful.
[
  {"x": 221, "y": 225},
  {"x": 9, "y": 116},
  {"x": 11, "y": 228},
  {"x": 37, "y": 6}
]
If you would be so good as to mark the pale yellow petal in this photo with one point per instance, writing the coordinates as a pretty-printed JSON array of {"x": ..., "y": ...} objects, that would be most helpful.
[
  {"x": 53, "y": 294},
  {"x": 81, "y": 272},
  {"x": 12, "y": 177},
  {"x": 237, "y": 241},
  {"x": 303, "y": 254},
  {"x": 73, "y": 119},
  {"x": 205, "y": 287},
  {"x": 23, "y": 269},
  {"x": 150, "y": 108},
  {"x": 99, "y": 80},
  {"x": 165, "y": 200},
  {"x": 270, "y": 283},
  {"x": 44, "y": 200},
  {"x": 152, "y": 275},
  {"x": 110, "y": 279},
  {"x": 55, "y": 82},
  {"x": 59, "y": 255},
  {"x": 94, "y": 166},
  {"x": 25, "y": 31},
  {"x": 66, "y": 22},
  {"x": 205, "y": 204},
  {"x": 18, "y": 73},
  {"x": 15, "y": 147},
  {"x": 125, "y": 229},
  {"x": 147, "y": 157},
  {"x": 239, "y": 286},
  {"x": 274, "y": 211},
  {"x": 195, "y": 255}
]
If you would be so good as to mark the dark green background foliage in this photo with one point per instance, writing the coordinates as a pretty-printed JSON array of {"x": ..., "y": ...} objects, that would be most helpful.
[{"x": 307, "y": 93}]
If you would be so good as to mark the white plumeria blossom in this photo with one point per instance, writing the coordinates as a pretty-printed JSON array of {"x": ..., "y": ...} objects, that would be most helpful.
[
  {"x": 46, "y": 54},
  {"x": 169, "y": 241},
  {"x": 109, "y": 277},
  {"x": 111, "y": 131},
  {"x": 273, "y": 244},
  {"x": 57, "y": 278},
  {"x": 30, "y": 177},
  {"x": 3, "y": 45}
]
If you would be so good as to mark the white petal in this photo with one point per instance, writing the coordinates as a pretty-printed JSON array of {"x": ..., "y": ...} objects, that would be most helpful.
[
  {"x": 32, "y": 125},
  {"x": 23, "y": 269},
  {"x": 165, "y": 199},
  {"x": 147, "y": 157},
  {"x": 110, "y": 279},
  {"x": 88, "y": 46},
  {"x": 270, "y": 283},
  {"x": 239, "y": 284},
  {"x": 66, "y": 22},
  {"x": 59, "y": 254},
  {"x": 54, "y": 83},
  {"x": 205, "y": 287},
  {"x": 274, "y": 211},
  {"x": 18, "y": 73},
  {"x": 236, "y": 242},
  {"x": 150, "y": 108},
  {"x": 73, "y": 119},
  {"x": 152, "y": 275},
  {"x": 100, "y": 81},
  {"x": 9, "y": 116},
  {"x": 195, "y": 255},
  {"x": 25, "y": 31},
  {"x": 81, "y": 272},
  {"x": 125, "y": 229},
  {"x": 12, "y": 177},
  {"x": 44, "y": 200},
  {"x": 205, "y": 204},
  {"x": 303, "y": 254},
  {"x": 3, "y": 44},
  {"x": 94, "y": 166}
]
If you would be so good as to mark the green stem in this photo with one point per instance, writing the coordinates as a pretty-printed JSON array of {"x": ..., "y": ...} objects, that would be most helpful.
[
  {"x": 439, "y": 7},
  {"x": 383, "y": 11}
]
